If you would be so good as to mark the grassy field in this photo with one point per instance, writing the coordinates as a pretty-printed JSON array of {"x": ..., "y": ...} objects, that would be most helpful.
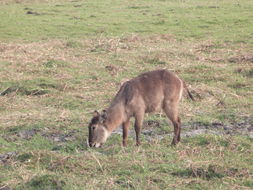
[{"x": 60, "y": 60}]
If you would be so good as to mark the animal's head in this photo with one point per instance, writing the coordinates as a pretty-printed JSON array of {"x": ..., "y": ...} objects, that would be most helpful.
[{"x": 98, "y": 132}]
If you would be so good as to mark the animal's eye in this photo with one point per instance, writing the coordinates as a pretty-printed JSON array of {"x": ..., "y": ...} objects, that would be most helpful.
[{"x": 93, "y": 127}]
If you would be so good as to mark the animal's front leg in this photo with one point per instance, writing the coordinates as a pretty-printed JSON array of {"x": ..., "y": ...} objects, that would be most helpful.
[
  {"x": 125, "y": 132},
  {"x": 137, "y": 126}
]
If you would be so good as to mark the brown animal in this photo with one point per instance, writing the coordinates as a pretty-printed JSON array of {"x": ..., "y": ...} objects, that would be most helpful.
[{"x": 149, "y": 92}]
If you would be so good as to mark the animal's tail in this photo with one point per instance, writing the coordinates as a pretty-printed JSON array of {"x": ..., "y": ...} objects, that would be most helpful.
[{"x": 188, "y": 92}]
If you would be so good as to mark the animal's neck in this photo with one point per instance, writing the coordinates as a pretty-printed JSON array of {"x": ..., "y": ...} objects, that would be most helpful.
[{"x": 115, "y": 116}]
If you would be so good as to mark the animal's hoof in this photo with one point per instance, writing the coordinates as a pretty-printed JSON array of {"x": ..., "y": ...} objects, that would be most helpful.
[{"x": 174, "y": 143}]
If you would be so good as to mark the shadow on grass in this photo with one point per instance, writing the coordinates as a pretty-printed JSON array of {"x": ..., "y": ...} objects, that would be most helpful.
[
  {"x": 198, "y": 173},
  {"x": 33, "y": 87},
  {"x": 213, "y": 171},
  {"x": 43, "y": 182}
]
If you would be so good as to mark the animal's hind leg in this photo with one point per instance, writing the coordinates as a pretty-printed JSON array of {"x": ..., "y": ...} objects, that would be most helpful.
[{"x": 171, "y": 110}]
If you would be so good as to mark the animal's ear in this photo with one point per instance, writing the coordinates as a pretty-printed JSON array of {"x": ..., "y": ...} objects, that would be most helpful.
[
  {"x": 104, "y": 114},
  {"x": 95, "y": 113}
]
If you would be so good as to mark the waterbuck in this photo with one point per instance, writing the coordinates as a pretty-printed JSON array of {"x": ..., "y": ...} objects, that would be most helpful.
[{"x": 148, "y": 92}]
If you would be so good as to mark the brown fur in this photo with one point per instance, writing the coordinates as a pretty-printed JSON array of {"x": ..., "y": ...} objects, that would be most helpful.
[{"x": 149, "y": 92}]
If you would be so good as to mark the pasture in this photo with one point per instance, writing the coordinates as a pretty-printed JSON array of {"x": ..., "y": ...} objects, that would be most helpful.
[{"x": 60, "y": 60}]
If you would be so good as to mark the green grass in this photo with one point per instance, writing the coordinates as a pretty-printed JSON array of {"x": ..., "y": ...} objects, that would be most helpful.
[
  {"x": 67, "y": 58},
  {"x": 217, "y": 20},
  {"x": 193, "y": 164}
]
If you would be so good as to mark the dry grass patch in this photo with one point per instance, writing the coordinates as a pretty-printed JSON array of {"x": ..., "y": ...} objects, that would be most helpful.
[{"x": 71, "y": 64}]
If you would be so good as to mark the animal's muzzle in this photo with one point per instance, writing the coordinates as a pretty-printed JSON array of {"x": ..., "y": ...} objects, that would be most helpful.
[{"x": 89, "y": 144}]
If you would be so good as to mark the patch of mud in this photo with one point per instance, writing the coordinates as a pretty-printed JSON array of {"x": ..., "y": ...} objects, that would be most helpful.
[
  {"x": 27, "y": 134},
  {"x": 32, "y": 13},
  {"x": 149, "y": 128},
  {"x": 245, "y": 72},
  {"x": 52, "y": 134},
  {"x": 199, "y": 132},
  {"x": 243, "y": 127},
  {"x": 4, "y": 158},
  {"x": 113, "y": 70},
  {"x": 152, "y": 128},
  {"x": 60, "y": 137},
  {"x": 14, "y": 134},
  {"x": 241, "y": 59},
  {"x": 5, "y": 187},
  {"x": 152, "y": 124}
]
